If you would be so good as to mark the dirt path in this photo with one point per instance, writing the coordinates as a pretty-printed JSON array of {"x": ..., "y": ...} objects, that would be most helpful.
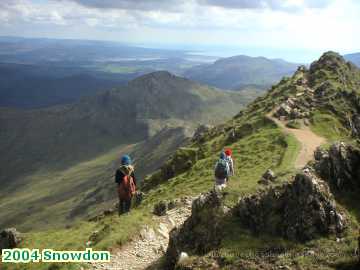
[
  {"x": 308, "y": 139},
  {"x": 149, "y": 246}
]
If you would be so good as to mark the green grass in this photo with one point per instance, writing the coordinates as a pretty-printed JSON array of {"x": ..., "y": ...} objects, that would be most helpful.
[
  {"x": 266, "y": 148},
  {"x": 328, "y": 126},
  {"x": 120, "y": 69},
  {"x": 293, "y": 148}
]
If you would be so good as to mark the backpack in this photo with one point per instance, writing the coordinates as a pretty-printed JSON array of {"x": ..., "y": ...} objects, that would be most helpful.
[
  {"x": 127, "y": 187},
  {"x": 222, "y": 169}
]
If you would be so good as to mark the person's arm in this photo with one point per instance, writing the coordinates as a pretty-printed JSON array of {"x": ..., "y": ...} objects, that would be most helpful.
[
  {"x": 232, "y": 167},
  {"x": 118, "y": 177},
  {"x": 134, "y": 178}
]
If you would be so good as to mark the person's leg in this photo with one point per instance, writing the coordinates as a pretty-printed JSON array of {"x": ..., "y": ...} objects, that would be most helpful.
[
  {"x": 121, "y": 206},
  {"x": 127, "y": 205}
]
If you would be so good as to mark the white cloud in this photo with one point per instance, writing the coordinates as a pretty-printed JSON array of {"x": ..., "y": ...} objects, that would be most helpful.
[{"x": 290, "y": 24}]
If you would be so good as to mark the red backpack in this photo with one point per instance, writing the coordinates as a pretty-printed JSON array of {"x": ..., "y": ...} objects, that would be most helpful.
[{"x": 127, "y": 188}]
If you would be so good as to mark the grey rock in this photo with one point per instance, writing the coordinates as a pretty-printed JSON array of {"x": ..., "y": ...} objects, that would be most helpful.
[
  {"x": 9, "y": 238},
  {"x": 160, "y": 208},
  {"x": 148, "y": 234},
  {"x": 268, "y": 177},
  {"x": 201, "y": 232},
  {"x": 300, "y": 210},
  {"x": 201, "y": 131},
  {"x": 183, "y": 257},
  {"x": 355, "y": 125},
  {"x": 339, "y": 166},
  {"x": 284, "y": 110},
  {"x": 139, "y": 197}
]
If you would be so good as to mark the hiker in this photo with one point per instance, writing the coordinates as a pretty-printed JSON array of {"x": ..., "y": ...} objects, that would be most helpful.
[
  {"x": 126, "y": 181},
  {"x": 229, "y": 159},
  {"x": 222, "y": 172}
]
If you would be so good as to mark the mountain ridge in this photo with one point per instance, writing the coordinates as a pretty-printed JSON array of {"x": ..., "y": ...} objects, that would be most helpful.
[{"x": 237, "y": 71}]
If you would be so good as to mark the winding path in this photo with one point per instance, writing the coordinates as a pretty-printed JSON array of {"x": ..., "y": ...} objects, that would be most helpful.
[{"x": 309, "y": 141}]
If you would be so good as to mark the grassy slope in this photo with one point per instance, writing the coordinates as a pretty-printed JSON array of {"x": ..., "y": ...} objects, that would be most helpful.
[{"x": 56, "y": 198}]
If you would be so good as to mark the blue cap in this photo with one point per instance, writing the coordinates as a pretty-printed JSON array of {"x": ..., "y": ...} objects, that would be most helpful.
[
  {"x": 125, "y": 160},
  {"x": 222, "y": 155}
]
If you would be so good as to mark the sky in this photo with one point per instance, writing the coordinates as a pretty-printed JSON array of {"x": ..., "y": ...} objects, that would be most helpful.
[{"x": 295, "y": 30}]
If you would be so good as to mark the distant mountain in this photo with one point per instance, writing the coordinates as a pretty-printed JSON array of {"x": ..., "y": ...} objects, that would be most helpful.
[
  {"x": 240, "y": 71},
  {"x": 67, "y": 146},
  {"x": 71, "y": 51},
  {"x": 354, "y": 58},
  {"x": 37, "y": 86}
]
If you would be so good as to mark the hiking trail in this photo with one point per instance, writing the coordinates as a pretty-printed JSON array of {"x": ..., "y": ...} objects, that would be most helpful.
[
  {"x": 146, "y": 249},
  {"x": 309, "y": 140}
]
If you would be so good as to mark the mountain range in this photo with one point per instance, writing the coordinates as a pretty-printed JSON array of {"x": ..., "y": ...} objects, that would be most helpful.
[{"x": 354, "y": 58}]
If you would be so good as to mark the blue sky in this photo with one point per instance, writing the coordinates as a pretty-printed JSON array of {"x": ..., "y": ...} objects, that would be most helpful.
[{"x": 296, "y": 30}]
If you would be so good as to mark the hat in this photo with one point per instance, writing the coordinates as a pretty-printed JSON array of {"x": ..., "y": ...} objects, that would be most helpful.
[
  {"x": 125, "y": 160},
  {"x": 228, "y": 152}
]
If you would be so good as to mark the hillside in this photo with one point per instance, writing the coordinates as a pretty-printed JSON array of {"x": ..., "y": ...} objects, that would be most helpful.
[
  {"x": 354, "y": 58},
  {"x": 241, "y": 71},
  {"x": 302, "y": 219},
  {"x": 39, "y": 86},
  {"x": 74, "y": 146}
]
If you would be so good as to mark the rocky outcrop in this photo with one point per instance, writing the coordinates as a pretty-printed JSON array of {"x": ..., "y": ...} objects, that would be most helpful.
[
  {"x": 293, "y": 108},
  {"x": 339, "y": 166},
  {"x": 183, "y": 159},
  {"x": 201, "y": 133},
  {"x": 9, "y": 238},
  {"x": 160, "y": 208},
  {"x": 268, "y": 177},
  {"x": 300, "y": 210},
  {"x": 201, "y": 232}
]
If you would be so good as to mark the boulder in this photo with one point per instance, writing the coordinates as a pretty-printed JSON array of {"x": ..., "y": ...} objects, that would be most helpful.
[
  {"x": 267, "y": 177},
  {"x": 201, "y": 232},
  {"x": 284, "y": 110},
  {"x": 300, "y": 210},
  {"x": 339, "y": 166},
  {"x": 160, "y": 208},
  {"x": 139, "y": 197},
  {"x": 9, "y": 238}
]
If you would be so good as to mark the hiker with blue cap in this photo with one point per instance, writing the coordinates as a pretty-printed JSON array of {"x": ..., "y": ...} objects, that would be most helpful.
[{"x": 125, "y": 178}]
